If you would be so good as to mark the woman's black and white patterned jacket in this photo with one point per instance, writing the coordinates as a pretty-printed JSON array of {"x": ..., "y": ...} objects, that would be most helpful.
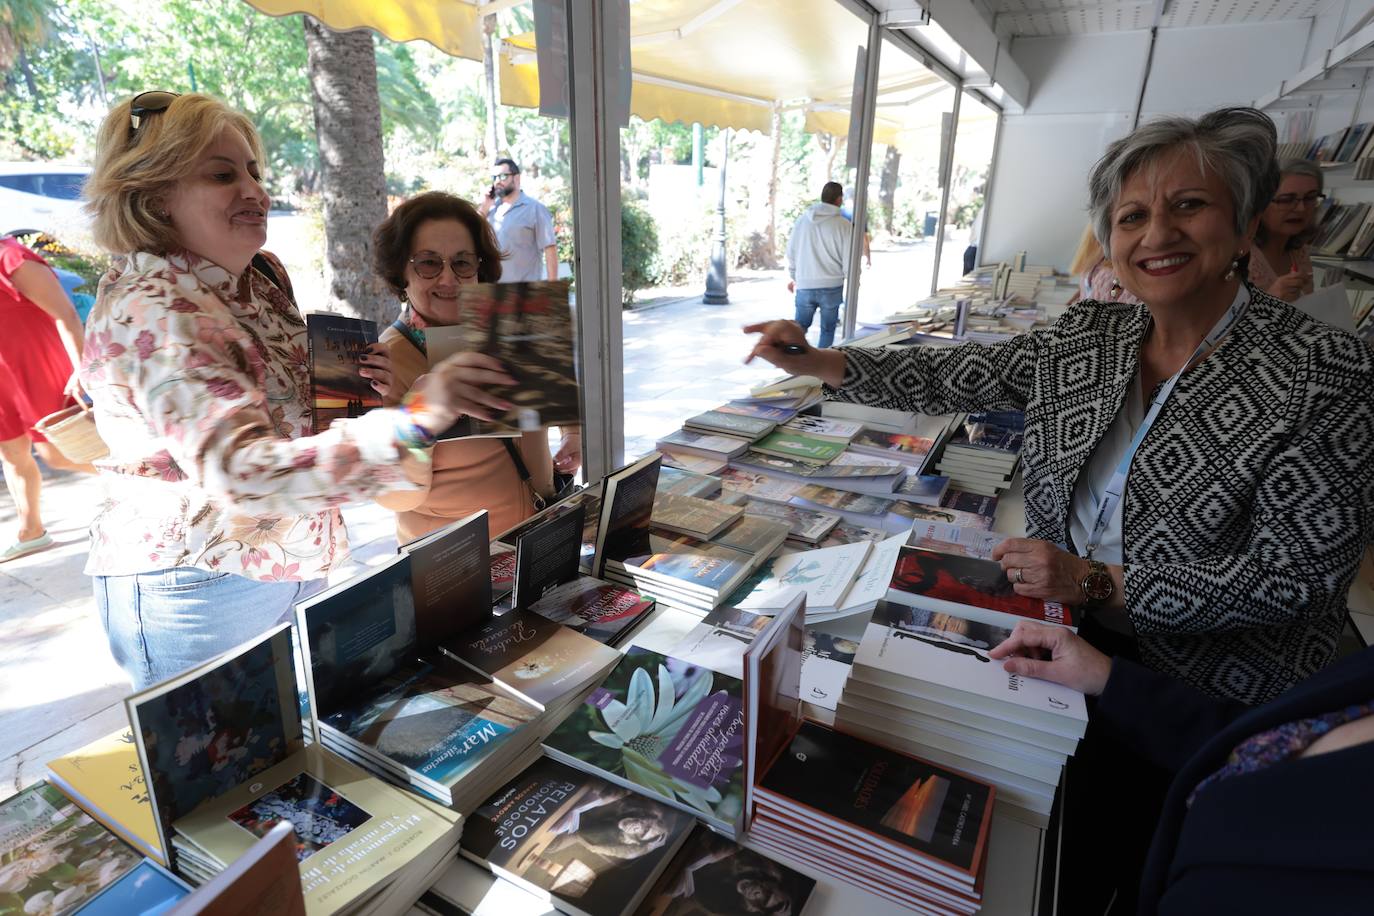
[{"x": 1248, "y": 505}]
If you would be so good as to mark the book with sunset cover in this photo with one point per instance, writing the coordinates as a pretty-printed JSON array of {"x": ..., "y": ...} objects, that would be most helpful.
[
  {"x": 336, "y": 345},
  {"x": 909, "y": 813}
]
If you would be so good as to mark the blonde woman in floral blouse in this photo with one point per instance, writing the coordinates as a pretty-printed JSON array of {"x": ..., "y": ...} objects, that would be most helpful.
[{"x": 221, "y": 508}]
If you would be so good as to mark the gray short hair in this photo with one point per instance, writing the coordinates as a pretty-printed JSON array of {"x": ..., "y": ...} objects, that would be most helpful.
[
  {"x": 1238, "y": 143},
  {"x": 1304, "y": 167}
]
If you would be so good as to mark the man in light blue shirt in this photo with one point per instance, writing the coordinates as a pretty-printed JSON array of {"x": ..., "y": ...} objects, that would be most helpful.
[{"x": 523, "y": 227}]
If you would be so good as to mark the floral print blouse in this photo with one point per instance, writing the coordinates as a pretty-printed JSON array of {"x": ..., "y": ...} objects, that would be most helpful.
[{"x": 201, "y": 384}]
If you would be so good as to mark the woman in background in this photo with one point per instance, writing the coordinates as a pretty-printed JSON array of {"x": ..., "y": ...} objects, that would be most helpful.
[
  {"x": 1280, "y": 263},
  {"x": 425, "y": 250},
  {"x": 1096, "y": 279},
  {"x": 39, "y": 354},
  {"x": 221, "y": 508}
]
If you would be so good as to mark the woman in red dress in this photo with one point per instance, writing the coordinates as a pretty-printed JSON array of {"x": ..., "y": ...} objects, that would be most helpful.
[{"x": 40, "y": 347}]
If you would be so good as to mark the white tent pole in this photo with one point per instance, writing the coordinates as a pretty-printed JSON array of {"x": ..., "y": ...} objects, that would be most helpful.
[
  {"x": 868, "y": 114},
  {"x": 594, "y": 36}
]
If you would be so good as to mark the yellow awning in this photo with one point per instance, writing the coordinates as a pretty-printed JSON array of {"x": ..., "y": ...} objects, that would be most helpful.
[{"x": 452, "y": 26}]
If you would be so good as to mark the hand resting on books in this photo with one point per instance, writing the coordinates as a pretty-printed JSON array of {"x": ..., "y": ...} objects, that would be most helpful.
[
  {"x": 457, "y": 387},
  {"x": 827, "y": 365},
  {"x": 1039, "y": 569},
  {"x": 1054, "y": 654}
]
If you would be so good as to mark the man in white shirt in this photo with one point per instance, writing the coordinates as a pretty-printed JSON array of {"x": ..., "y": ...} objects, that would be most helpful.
[
  {"x": 818, "y": 255},
  {"x": 523, "y": 227}
]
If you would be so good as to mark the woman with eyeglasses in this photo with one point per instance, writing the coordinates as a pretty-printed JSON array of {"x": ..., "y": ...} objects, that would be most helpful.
[
  {"x": 1280, "y": 263},
  {"x": 425, "y": 250},
  {"x": 221, "y": 508}
]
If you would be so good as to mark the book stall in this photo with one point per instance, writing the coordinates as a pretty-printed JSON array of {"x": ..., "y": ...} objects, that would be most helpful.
[{"x": 746, "y": 671}]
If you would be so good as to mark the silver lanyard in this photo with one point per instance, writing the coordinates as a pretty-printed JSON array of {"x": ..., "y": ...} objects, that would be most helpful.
[{"x": 1116, "y": 487}]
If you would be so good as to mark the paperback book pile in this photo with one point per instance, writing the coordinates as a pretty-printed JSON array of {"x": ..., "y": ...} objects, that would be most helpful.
[
  {"x": 875, "y": 478},
  {"x": 677, "y": 570},
  {"x": 795, "y": 392},
  {"x": 837, "y": 581},
  {"x": 726, "y": 423},
  {"x": 922, "y": 682},
  {"x": 682, "y": 482},
  {"x": 222, "y": 748},
  {"x": 586, "y": 845},
  {"x": 898, "y": 826},
  {"x": 982, "y": 453}
]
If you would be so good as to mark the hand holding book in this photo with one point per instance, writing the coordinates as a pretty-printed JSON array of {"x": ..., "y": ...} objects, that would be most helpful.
[
  {"x": 461, "y": 385},
  {"x": 1054, "y": 654},
  {"x": 1039, "y": 569}
]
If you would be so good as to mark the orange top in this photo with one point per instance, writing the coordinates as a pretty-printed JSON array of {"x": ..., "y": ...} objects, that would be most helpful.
[{"x": 465, "y": 475}]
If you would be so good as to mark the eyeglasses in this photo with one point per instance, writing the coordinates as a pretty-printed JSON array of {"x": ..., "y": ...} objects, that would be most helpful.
[
  {"x": 1292, "y": 200},
  {"x": 429, "y": 266},
  {"x": 498, "y": 176},
  {"x": 144, "y": 104}
]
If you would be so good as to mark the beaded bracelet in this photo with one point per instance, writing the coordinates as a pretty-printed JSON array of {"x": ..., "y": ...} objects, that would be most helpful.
[{"x": 413, "y": 437}]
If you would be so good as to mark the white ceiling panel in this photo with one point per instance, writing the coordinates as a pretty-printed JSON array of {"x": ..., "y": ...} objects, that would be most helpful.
[{"x": 1082, "y": 17}]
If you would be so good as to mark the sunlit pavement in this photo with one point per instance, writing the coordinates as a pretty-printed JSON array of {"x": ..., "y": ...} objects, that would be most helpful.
[{"x": 60, "y": 688}]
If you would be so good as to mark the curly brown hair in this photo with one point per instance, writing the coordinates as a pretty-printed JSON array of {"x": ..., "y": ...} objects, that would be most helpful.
[{"x": 391, "y": 240}]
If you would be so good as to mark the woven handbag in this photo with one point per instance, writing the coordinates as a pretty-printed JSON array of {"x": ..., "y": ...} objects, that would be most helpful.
[{"x": 72, "y": 430}]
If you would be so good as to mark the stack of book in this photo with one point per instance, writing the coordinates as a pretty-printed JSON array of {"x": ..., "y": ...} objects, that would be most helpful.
[
  {"x": 954, "y": 581},
  {"x": 222, "y": 748},
  {"x": 874, "y": 477},
  {"x": 837, "y": 581},
  {"x": 908, "y": 830},
  {"x": 922, "y": 682},
  {"x": 982, "y": 454}
]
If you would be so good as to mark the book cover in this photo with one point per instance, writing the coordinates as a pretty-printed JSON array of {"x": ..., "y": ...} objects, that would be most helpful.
[
  {"x": 147, "y": 888},
  {"x": 926, "y": 489},
  {"x": 758, "y": 486},
  {"x": 720, "y": 640},
  {"x": 502, "y": 561},
  {"x": 711, "y": 445},
  {"x": 699, "y": 464},
  {"x": 686, "y": 483},
  {"x": 601, "y": 610},
  {"x": 730, "y": 424},
  {"x": 998, "y": 431},
  {"x": 871, "y": 582},
  {"x": 351, "y": 832},
  {"x": 964, "y": 501},
  {"x": 265, "y": 879},
  {"x": 105, "y": 778},
  {"x": 762, "y": 411},
  {"x": 217, "y": 726},
  {"x": 715, "y": 876},
  {"x": 919, "y": 513},
  {"x": 899, "y": 446},
  {"x": 548, "y": 556},
  {"x": 701, "y": 518},
  {"x": 952, "y": 651},
  {"x": 439, "y": 722},
  {"x": 803, "y": 524},
  {"x": 845, "y": 533},
  {"x": 913, "y": 805},
  {"x": 359, "y": 632},
  {"x": 772, "y": 692},
  {"x": 823, "y": 426},
  {"x": 805, "y": 447},
  {"x": 450, "y": 579},
  {"x": 627, "y": 506},
  {"x": 754, "y": 535},
  {"x": 946, "y": 582},
  {"x": 844, "y": 500},
  {"x": 795, "y": 467},
  {"x": 539, "y": 660},
  {"x": 593, "y": 846},
  {"x": 53, "y": 856},
  {"x": 849, "y": 458},
  {"x": 943, "y": 537},
  {"x": 703, "y": 566},
  {"x": 336, "y": 345},
  {"x": 671, "y": 729},
  {"x": 823, "y": 575},
  {"x": 528, "y": 327}
]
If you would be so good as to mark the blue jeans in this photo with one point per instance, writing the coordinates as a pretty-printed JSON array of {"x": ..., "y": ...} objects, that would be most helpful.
[
  {"x": 161, "y": 623},
  {"x": 828, "y": 301}
]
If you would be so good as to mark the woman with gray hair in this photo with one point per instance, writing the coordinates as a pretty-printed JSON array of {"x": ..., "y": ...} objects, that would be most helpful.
[
  {"x": 1280, "y": 263},
  {"x": 1196, "y": 467}
]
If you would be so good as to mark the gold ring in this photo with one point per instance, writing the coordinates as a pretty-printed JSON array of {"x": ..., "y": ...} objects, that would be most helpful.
[{"x": 1020, "y": 576}]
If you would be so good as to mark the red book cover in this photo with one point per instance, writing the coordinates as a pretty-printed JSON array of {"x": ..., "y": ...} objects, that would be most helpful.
[{"x": 940, "y": 581}]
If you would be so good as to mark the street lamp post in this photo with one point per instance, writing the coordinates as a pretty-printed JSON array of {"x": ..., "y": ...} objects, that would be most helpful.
[{"x": 717, "y": 282}]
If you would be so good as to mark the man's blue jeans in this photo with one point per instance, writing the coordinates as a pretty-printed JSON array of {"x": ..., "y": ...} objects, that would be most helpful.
[{"x": 828, "y": 301}]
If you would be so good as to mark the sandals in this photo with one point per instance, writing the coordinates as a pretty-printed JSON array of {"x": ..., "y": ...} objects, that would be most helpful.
[{"x": 24, "y": 548}]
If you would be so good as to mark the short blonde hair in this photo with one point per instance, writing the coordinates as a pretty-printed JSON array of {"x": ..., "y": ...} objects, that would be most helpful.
[
  {"x": 125, "y": 191},
  {"x": 1088, "y": 255}
]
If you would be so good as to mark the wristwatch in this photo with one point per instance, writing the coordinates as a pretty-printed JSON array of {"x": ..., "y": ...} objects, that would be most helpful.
[{"x": 1097, "y": 585}]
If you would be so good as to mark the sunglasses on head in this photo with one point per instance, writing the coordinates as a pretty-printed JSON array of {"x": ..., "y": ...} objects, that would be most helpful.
[
  {"x": 144, "y": 104},
  {"x": 429, "y": 266}
]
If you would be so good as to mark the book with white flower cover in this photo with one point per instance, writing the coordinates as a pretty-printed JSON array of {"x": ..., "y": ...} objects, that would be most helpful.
[
  {"x": 667, "y": 728},
  {"x": 542, "y": 662},
  {"x": 824, "y": 576},
  {"x": 586, "y": 845},
  {"x": 54, "y": 857}
]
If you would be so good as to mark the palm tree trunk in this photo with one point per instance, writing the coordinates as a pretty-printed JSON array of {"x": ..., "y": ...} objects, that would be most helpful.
[
  {"x": 348, "y": 126},
  {"x": 887, "y": 185},
  {"x": 773, "y": 184},
  {"x": 492, "y": 138}
]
